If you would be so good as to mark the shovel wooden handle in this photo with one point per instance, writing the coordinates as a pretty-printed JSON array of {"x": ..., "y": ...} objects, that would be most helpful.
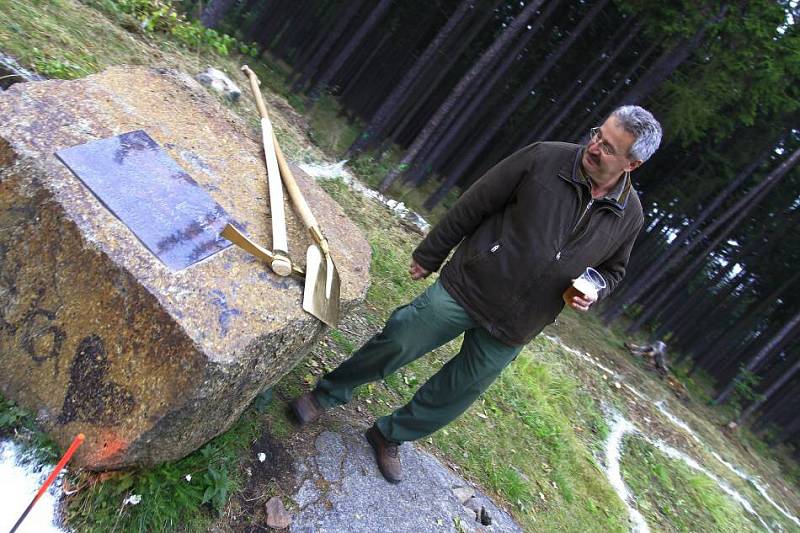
[
  {"x": 281, "y": 264},
  {"x": 255, "y": 86},
  {"x": 299, "y": 202}
]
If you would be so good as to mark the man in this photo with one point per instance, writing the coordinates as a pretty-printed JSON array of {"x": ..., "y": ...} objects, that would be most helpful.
[{"x": 526, "y": 228}]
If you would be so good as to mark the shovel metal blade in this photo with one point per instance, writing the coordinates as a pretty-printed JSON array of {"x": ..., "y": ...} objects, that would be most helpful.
[{"x": 321, "y": 293}]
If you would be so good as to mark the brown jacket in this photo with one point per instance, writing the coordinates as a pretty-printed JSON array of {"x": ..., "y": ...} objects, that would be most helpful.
[{"x": 525, "y": 233}]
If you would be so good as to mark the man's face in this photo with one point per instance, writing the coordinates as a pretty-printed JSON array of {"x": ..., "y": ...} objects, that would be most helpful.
[{"x": 607, "y": 155}]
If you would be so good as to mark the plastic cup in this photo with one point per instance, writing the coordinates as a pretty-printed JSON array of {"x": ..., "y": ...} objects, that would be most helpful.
[{"x": 589, "y": 283}]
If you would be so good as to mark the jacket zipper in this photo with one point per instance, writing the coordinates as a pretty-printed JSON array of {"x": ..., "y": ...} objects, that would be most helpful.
[
  {"x": 574, "y": 229},
  {"x": 580, "y": 219}
]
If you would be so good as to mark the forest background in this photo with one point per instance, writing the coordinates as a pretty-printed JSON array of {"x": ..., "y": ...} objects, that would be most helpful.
[{"x": 422, "y": 97}]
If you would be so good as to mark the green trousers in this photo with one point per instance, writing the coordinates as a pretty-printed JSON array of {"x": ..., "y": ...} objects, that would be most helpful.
[{"x": 413, "y": 330}]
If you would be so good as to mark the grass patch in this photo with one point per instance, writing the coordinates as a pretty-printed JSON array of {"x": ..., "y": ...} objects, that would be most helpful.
[
  {"x": 182, "y": 495},
  {"x": 341, "y": 341},
  {"x": 673, "y": 497},
  {"x": 19, "y": 423},
  {"x": 520, "y": 440},
  {"x": 329, "y": 130},
  {"x": 65, "y": 39}
]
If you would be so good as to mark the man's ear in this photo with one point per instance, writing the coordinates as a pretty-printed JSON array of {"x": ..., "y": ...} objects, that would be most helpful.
[{"x": 633, "y": 165}]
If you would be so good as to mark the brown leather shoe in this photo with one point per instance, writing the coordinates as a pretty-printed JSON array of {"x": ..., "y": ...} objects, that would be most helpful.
[
  {"x": 387, "y": 453},
  {"x": 306, "y": 408}
]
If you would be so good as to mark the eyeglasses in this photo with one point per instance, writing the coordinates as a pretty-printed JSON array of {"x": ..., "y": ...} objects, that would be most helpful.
[{"x": 596, "y": 136}]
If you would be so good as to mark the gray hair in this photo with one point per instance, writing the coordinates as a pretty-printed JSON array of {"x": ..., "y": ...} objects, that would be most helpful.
[{"x": 644, "y": 127}]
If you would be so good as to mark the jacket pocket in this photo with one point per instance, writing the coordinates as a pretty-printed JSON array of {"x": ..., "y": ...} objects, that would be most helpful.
[{"x": 484, "y": 253}]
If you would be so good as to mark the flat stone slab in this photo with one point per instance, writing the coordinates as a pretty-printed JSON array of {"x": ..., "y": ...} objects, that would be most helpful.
[
  {"x": 357, "y": 498},
  {"x": 98, "y": 335},
  {"x": 173, "y": 216}
]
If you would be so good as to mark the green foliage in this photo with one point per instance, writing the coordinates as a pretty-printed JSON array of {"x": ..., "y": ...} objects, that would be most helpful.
[
  {"x": 745, "y": 387},
  {"x": 54, "y": 67},
  {"x": 743, "y": 70},
  {"x": 183, "y": 493},
  {"x": 11, "y": 416},
  {"x": 15, "y": 420},
  {"x": 162, "y": 16}
]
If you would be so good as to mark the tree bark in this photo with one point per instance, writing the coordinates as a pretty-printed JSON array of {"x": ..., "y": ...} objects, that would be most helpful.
[
  {"x": 668, "y": 62},
  {"x": 549, "y": 126},
  {"x": 466, "y": 109},
  {"x": 767, "y": 394},
  {"x": 739, "y": 212},
  {"x": 592, "y": 118},
  {"x": 489, "y": 57},
  {"x": 403, "y": 122},
  {"x": 374, "y": 17},
  {"x": 755, "y": 361},
  {"x": 327, "y": 14},
  {"x": 313, "y": 65},
  {"x": 713, "y": 344},
  {"x": 397, "y": 96}
]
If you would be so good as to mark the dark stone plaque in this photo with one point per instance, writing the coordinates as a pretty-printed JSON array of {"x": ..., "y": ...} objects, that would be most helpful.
[{"x": 146, "y": 189}]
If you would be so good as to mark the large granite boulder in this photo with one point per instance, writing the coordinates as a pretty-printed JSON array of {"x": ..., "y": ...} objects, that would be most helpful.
[{"x": 97, "y": 335}]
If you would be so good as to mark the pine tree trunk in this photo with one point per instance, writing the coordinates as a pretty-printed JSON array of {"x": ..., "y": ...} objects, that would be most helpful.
[
  {"x": 398, "y": 124},
  {"x": 355, "y": 78},
  {"x": 761, "y": 356},
  {"x": 520, "y": 96},
  {"x": 668, "y": 62},
  {"x": 549, "y": 125},
  {"x": 713, "y": 344},
  {"x": 593, "y": 118},
  {"x": 264, "y": 28},
  {"x": 327, "y": 14},
  {"x": 441, "y": 141},
  {"x": 680, "y": 307},
  {"x": 767, "y": 394},
  {"x": 489, "y": 57},
  {"x": 397, "y": 96},
  {"x": 387, "y": 70},
  {"x": 374, "y": 17},
  {"x": 743, "y": 208},
  {"x": 312, "y": 67}
]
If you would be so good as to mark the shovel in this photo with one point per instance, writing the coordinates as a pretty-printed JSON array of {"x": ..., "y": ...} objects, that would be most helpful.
[
  {"x": 321, "y": 292},
  {"x": 280, "y": 264}
]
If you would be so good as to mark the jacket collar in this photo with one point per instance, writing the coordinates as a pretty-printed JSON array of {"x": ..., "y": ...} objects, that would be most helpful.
[{"x": 617, "y": 198}]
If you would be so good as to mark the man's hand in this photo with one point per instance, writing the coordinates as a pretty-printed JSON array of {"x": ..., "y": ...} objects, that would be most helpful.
[
  {"x": 577, "y": 300},
  {"x": 417, "y": 272}
]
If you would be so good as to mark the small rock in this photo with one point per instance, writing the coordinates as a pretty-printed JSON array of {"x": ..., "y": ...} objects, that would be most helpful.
[
  {"x": 220, "y": 82},
  {"x": 463, "y": 493},
  {"x": 617, "y": 384},
  {"x": 486, "y": 518},
  {"x": 277, "y": 516},
  {"x": 474, "y": 505}
]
